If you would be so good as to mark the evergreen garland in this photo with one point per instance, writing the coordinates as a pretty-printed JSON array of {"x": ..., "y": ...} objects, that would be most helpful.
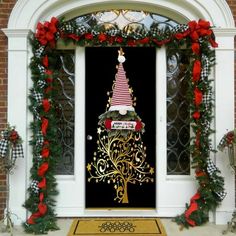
[{"x": 198, "y": 37}]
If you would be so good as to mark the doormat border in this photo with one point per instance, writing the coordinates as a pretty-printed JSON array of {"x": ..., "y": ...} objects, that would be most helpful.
[{"x": 75, "y": 223}]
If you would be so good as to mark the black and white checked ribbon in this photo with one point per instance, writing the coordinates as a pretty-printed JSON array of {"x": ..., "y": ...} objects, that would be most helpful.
[
  {"x": 34, "y": 186},
  {"x": 221, "y": 194},
  {"x": 207, "y": 99},
  {"x": 180, "y": 28},
  {"x": 41, "y": 83},
  {"x": 39, "y": 138},
  {"x": 95, "y": 33},
  {"x": 39, "y": 51},
  {"x": 41, "y": 69},
  {"x": 139, "y": 33},
  {"x": 211, "y": 169},
  {"x": 68, "y": 28},
  {"x": 205, "y": 67},
  {"x": 36, "y": 113},
  {"x": 113, "y": 32},
  {"x": 124, "y": 34},
  {"x": 154, "y": 30},
  {"x": 37, "y": 96},
  {"x": 17, "y": 151},
  {"x": 81, "y": 30},
  {"x": 4, "y": 145}
]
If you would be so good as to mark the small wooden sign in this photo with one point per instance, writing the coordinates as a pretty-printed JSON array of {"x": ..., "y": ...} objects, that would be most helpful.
[{"x": 129, "y": 125}]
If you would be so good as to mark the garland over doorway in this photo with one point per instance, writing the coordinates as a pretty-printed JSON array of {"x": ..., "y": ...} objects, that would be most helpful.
[{"x": 197, "y": 37}]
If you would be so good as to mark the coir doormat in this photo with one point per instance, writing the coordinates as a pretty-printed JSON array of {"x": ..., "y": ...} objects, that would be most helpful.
[{"x": 117, "y": 226}]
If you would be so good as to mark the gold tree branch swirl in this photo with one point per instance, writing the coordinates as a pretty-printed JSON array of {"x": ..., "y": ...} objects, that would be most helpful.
[{"x": 120, "y": 160}]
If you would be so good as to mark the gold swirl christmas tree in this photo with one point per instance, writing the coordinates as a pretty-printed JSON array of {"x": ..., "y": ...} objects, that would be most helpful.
[{"x": 120, "y": 158}]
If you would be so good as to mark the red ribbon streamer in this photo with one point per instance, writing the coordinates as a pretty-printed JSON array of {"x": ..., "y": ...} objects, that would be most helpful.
[
  {"x": 44, "y": 125},
  {"x": 42, "y": 208},
  {"x": 197, "y": 96},
  {"x": 45, "y": 61},
  {"x": 193, "y": 207},
  {"x": 45, "y": 153},
  {"x": 42, "y": 183},
  {"x": 43, "y": 169},
  {"x": 196, "y": 48},
  {"x": 196, "y": 70},
  {"x": 46, "y": 105},
  {"x": 196, "y": 115},
  {"x": 33, "y": 217}
]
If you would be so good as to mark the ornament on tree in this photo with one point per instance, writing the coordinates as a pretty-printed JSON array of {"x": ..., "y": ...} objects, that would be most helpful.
[{"x": 120, "y": 158}]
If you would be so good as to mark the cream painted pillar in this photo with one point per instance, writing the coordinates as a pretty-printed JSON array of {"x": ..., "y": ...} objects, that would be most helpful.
[
  {"x": 18, "y": 115},
  {"x": 224, "y": 115}
]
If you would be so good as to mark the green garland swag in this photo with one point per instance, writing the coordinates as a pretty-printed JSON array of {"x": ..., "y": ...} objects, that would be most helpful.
[{"x": 198, "y": 37}]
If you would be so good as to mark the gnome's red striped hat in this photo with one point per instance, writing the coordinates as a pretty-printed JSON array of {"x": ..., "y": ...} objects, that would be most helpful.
[{"x": 121, "y": 99}]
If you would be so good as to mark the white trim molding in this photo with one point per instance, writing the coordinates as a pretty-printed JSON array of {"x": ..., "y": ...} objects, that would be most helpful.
[{"x": 27, "y": 13}]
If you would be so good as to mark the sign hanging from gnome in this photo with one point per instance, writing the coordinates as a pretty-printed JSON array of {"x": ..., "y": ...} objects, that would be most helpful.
[{"x": 120, "y": 158}]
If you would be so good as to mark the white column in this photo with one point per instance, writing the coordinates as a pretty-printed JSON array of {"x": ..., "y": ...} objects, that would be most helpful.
[
  {"x": 18, "y": 115},
  {"x": 224, "y": 115}
]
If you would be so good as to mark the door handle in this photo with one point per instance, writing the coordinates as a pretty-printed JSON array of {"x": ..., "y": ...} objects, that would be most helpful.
[{"x": 89, "y": 137}]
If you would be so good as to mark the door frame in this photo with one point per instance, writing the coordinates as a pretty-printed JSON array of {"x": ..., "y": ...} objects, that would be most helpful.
[{"x": 166, "y": 205}]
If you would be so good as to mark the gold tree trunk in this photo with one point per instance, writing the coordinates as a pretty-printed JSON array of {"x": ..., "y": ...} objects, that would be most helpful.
[{"x": 125, "y": 195}]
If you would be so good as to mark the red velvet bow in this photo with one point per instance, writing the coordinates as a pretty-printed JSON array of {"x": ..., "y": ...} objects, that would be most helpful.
[
  {"x": 45, "y": 33},
  {"x": 201, "y": 29}
]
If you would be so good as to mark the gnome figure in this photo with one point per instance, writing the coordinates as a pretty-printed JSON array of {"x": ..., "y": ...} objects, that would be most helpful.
[{"x": 121, "y": 99}]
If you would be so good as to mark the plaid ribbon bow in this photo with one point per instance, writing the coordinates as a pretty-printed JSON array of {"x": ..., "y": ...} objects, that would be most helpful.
[
  {"x": 211, "y": 168},
  {"x": 17, "y": 150}
]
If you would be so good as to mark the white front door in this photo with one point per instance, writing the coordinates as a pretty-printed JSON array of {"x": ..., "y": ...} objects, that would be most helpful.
[{"x": 174, "y": 181}]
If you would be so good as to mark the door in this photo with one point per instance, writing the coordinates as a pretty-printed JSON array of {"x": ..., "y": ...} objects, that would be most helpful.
[
  {"x": 94, "y": 72},
  {"x": 140, "y": 67}
]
